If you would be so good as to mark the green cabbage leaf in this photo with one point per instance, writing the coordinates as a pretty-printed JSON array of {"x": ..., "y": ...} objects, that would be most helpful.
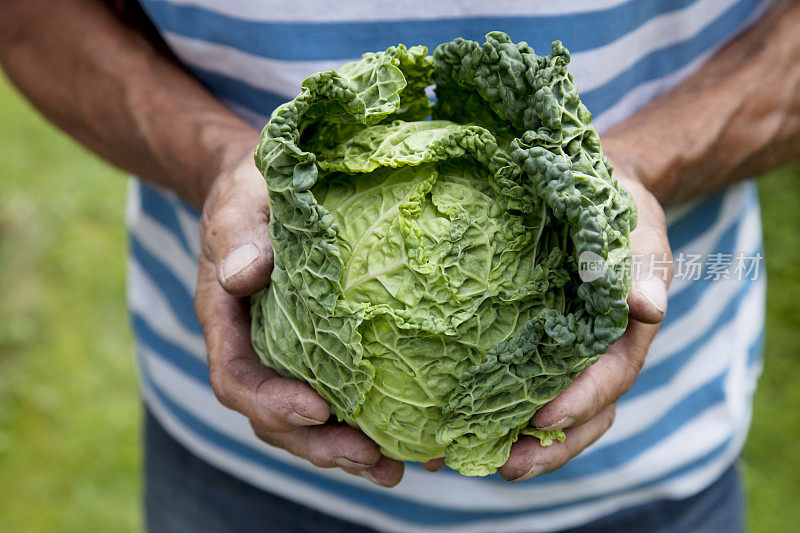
[{"x": 427, "y": 255}]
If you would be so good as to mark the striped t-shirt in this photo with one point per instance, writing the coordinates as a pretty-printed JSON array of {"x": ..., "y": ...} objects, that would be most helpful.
[{"x": 685, "y": 419}]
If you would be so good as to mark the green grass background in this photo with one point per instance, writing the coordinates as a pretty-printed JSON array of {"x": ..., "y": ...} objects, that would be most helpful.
[{"x": 69, "y": 416}]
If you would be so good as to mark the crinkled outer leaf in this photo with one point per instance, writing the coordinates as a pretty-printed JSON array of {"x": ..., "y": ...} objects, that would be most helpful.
[{"x": 426, "y": 271}]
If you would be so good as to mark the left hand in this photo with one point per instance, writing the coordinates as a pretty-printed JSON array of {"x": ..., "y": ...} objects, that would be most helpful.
[
  {"x": 236, "y": 261},
  {"x": 585, "y": 410}
]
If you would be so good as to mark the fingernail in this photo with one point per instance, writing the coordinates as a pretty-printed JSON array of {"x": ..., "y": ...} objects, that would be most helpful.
[
  {"x": 300, "y": 420},
  {"x": 533, "y": 472},
  {"x": 561, "y": 424},
  {"x": 238, "y": 260},
  {"x": 348, "y": 463},
  {"x": 366, "y": 474},
  {"x": 654, "y": 291}
]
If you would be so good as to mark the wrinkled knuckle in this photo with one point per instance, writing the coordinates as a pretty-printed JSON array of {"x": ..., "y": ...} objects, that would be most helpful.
[
  {"x": 637, "y": 364},
  {"x": 199, "y": 312},
  {"x": 611, "y": 415},
  {"x": 263, "y": 434},
  {"x": 206, "y": 215},
  {"x": 273, "y": 411},
  {"x": 607, "y": 423},
  {"x": 222, "y": 386},
  {"x": 560, "y": 459},
  {"x": 320, "y": 460},
  {"x": 203, "y": 312},
  {"x": 634, "y": 367},
  {"x": 266, "y": 420},
  {"x": 598, "y": 396},
  {"x": 565, "y": 453},
  {"x": 258, "y": 431},
  {"x": 316, "y": 451}
]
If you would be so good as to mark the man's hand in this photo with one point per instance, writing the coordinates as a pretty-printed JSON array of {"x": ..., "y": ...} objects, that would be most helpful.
[
  {"x": 586, "y": 409},
  {"x": 103, "y": 82},
  {"x": 236, "y": 261},
  {"x": 719, "y": 126}
]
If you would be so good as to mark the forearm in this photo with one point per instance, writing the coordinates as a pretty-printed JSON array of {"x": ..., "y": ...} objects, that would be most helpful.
[
  {"x": 737, "y": 117},
  {"x": 105, "y": 84}
]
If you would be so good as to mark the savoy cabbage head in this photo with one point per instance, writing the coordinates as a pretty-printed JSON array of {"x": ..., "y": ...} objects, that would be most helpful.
[{"x": 426, "y": 277}]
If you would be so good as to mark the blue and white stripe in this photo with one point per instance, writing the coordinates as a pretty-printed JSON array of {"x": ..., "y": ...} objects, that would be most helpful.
[
  {"x": 231, "y": 54},
  {"x": 686, "y": 418}
]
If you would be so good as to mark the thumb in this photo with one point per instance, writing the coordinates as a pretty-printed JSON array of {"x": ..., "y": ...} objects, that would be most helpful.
[
  {"x": 653, "y": 258},
  {"x": 234, "y": 230}
]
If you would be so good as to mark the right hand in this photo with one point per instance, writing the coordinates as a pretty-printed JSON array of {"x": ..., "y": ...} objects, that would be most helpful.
[{"x": 235, "y": 262}]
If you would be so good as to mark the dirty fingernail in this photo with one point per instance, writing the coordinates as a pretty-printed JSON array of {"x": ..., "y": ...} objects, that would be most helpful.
[
  {"x": 533, "y": 472},
  {"x": 561, "y": 424},
  {"x": 349, "y": 463},
  {"x": 366, "y": 474},
  {"x": 300, "y": 420},
  {"x": 238, "y": 260}
]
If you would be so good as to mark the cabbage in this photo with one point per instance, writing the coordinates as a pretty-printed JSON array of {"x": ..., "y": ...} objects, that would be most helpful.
[{"x": 427, "y": 256}]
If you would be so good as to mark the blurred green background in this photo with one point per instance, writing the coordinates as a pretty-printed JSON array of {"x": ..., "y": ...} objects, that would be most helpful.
[{"x": 69, "y": 414}]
